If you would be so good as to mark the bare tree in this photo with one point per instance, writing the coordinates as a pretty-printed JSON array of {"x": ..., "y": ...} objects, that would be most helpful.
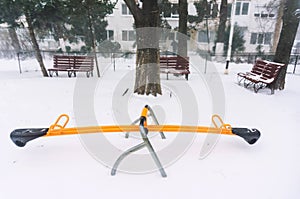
[{"x": 290, "y": 22}]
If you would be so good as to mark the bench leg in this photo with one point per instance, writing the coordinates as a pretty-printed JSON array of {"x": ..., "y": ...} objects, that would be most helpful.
[
  {"x": 87, "y": 74},
  {"x": 51, "y": 73},
  {"x": 69, "y": 73},
  {"x": 247, "y": 83},
  {"x": 240, "y": 79},
  {"x": 255, "y": 88},
  {"x": 272, "y": 89},
  {"x": 187, "y": 76}
]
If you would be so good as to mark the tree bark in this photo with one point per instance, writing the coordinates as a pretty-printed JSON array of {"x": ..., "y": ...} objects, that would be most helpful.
[
  {"x": 278, "y": 25},
  {"x": 182, "y": 37},
  {"x": 286, "y": 40},
  {"x": 35, "y": 44},
  {"x": 222, "y": 23},
  {"x": 93, "y": 38},
  {"x": 147, "y": 80}
]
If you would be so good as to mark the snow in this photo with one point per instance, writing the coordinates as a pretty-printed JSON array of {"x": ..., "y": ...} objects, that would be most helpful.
[{"x": 67, "y": 167}]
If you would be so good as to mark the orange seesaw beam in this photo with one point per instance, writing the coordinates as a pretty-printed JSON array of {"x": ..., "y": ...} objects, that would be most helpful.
[{"x": 225, "y": 129}]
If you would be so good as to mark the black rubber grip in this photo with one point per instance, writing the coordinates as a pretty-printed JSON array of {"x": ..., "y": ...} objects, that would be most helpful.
[
  {"x": 21, "y": 136},
  {"x": 250, "y": 135},
  {"x": 142, "y": 120}
]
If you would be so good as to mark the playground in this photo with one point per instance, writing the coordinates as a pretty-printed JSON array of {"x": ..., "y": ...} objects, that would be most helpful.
[{"x": 74, "y": 166}]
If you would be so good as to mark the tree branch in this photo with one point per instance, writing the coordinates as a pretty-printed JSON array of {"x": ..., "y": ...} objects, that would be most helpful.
[{"x": 134, "y": 9}]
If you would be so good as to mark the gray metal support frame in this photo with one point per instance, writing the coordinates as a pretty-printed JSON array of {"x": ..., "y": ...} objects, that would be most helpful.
[
  {"x": 145, "y": 143},
  {"x": 151, "y": 114}
]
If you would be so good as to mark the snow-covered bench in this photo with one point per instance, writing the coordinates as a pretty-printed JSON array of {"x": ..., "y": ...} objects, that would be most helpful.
[
  {"x": 72, "y": 64},
  {"x": 175, "y": 65},
  {"x": 262, "y": 74}
]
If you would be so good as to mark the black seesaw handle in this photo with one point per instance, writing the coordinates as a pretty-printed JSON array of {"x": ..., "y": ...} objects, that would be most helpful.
[
  {"x": 250, "y": 135},
  {"x": 21, "y": 136}
]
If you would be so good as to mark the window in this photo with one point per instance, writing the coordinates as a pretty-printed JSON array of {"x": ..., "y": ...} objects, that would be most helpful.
[
  {"x": 131, "y": 35},
  {"x": 125, "y": 10},
  {"x": 268, "y": 37},
  {"x": 264, "y": 12},
  {"x": 261, "y": 38},
  {"x": 253, "y": 38},
  {"x": 171, "y": 10},
  {"x": 263, "y": 15},
  {"x": 271, "y": 15},
  {"x": 128, "y": 35},
  {"x": 202, "y": 37},
  {"x": 241, "y": 8},
  {"x": 174, "y": 11},
  {"x": 110, "y": 35},
  {"x": 238, "y": 8},
  {"x": 229, "y": 6},
  {"x": 241, "y": 30},
  {"x": 245, "y": 8}
]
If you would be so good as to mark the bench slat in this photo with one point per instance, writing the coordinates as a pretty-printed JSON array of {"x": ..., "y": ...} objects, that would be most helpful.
[
  {"x": 174, "y": 65},
  {"x": 262, "y": 72},
  {"x": 72, "y": 64}
]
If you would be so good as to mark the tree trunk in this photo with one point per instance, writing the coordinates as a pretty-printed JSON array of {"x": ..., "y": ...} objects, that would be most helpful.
[
  {"x": 286, "y": 40},
  {"x": 147, "y": 80},
  {"x": 182, "y": 37},
  {"x": 222, "y": 23},
  {"x": 278, "y": 25},
  {"x": 35, "y": 44},
  {"x": 219, "y": 50},
  {"x": 14, "y": 39},
  {"x": 93, "y": 38}
]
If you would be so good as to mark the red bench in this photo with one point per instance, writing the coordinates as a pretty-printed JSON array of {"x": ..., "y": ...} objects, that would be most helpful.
[
  {"x": 262, "y": 74},
  {"x": 72, "y": 65},
  {"x": 175, "y": 65}
]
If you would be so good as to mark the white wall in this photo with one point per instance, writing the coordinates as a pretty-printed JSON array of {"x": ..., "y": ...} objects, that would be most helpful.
[
  {"x": 118, "y": 22},
  {"x": 256, "y": 24}
]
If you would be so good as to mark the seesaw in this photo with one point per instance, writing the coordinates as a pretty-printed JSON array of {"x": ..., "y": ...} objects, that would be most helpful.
[{"x": 21, "y": 136}]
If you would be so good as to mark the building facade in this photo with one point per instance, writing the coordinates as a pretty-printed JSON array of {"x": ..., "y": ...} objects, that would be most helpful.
[{"x": 258, "y": 20}]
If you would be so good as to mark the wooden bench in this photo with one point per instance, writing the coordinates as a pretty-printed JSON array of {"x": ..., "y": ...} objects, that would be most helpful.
[
  {"x": 72, "y": 65},
  {"x": 175, "y": 65},
  {"x": 263, "y": 74}
]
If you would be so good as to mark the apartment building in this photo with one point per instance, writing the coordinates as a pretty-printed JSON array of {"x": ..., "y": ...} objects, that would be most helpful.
[{"x": 257, "y": 19}]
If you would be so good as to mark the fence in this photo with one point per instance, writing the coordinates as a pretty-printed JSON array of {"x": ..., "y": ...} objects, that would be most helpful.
[{"x": 237, "y": 58}]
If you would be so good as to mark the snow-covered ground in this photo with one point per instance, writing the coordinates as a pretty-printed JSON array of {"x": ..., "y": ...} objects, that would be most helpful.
[{"x": 69, "y": 167}]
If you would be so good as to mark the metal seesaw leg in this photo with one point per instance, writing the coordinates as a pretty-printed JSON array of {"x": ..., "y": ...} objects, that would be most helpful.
[
  {"x": 145, "y": 143},
  {"x": 134, "y": 122},
  {"x": 152, "y": 114},
  {"x": 162, "y": 135},
  {"x": 144, "y": 133},
  {"x": 126, "y": 153}
]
